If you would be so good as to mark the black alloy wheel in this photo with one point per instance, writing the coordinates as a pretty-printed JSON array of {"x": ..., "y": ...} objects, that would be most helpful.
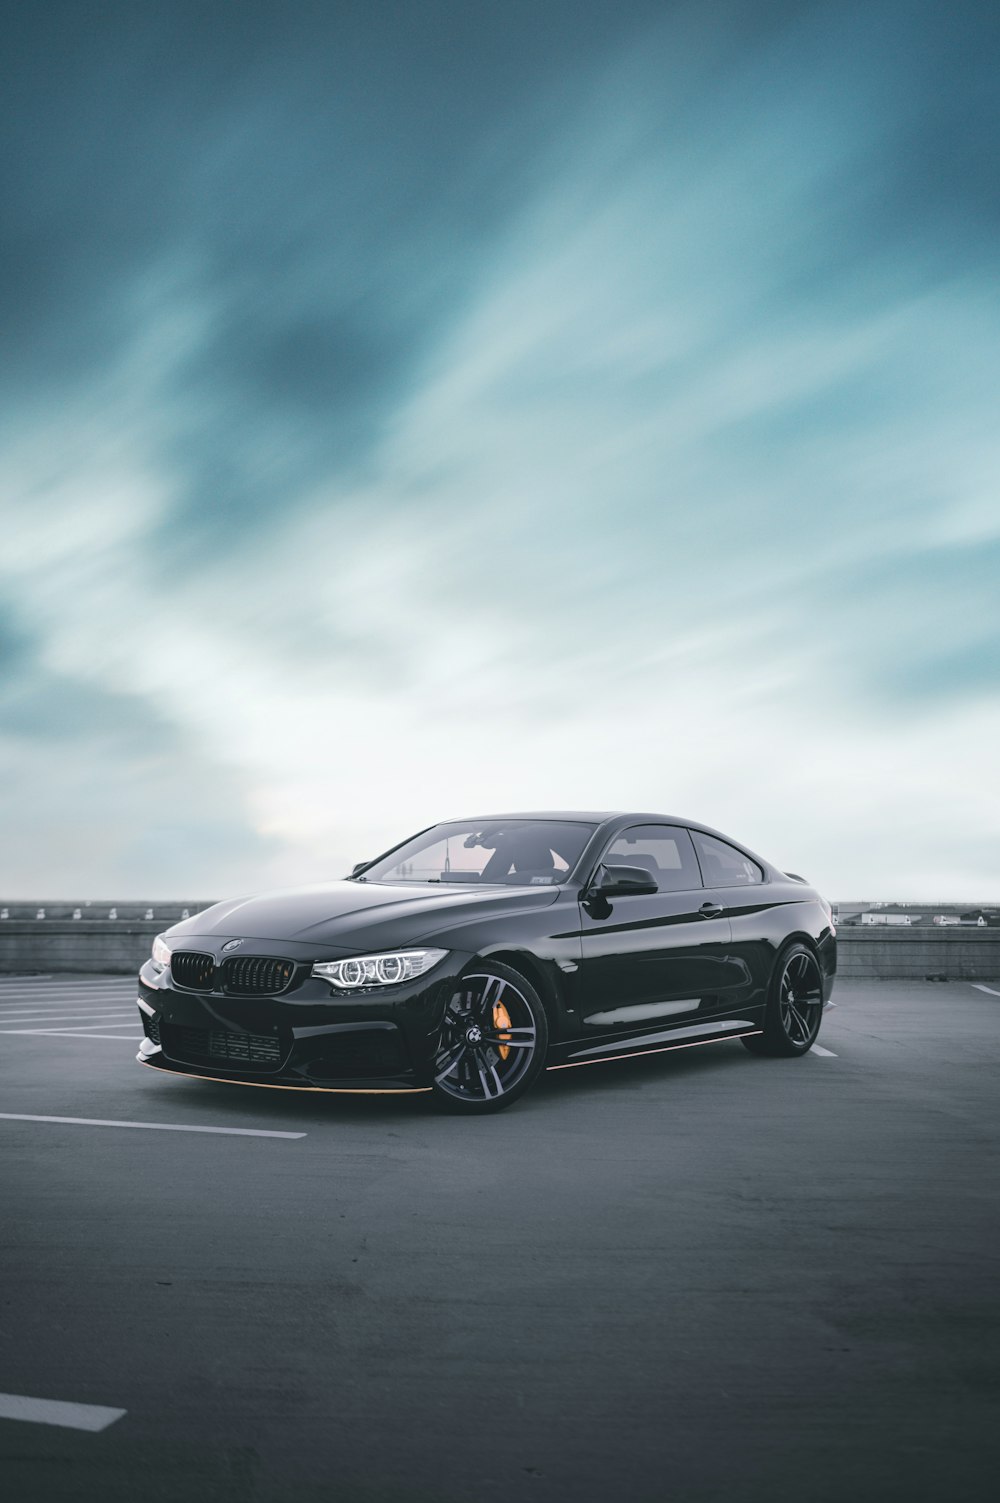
[
  {"x": 794, "y": 1008},
  {"x": 493, "y": 1042}
]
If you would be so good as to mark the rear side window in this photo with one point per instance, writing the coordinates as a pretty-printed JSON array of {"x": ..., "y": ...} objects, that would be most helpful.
[
  {"x": 665, "y": 851},
  {"x": 722, "y": 865}
]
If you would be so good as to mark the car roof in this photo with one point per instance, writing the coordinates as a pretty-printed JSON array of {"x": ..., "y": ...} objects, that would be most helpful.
[{"x": 592, "y": 816}]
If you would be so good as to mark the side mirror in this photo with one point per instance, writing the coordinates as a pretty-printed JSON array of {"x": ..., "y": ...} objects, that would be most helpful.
[
  {"x": 619, "y": 881},
  {"x": 358, "y": 866}
]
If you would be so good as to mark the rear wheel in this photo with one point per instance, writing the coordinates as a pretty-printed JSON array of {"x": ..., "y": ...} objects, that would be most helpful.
[
  {"x": 493, "y": 1041},
  {"x": 794, "y": 1008}
]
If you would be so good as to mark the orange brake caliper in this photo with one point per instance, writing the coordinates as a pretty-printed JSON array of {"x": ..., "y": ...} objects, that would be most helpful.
[{"x": 501, "y": 1020}]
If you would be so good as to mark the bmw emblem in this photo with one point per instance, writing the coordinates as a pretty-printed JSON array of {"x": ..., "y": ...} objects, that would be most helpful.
[{"x": 231, "y": 944}]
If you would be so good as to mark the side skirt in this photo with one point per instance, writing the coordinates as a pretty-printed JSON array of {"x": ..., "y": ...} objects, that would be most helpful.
[{"x": 574, "y": 1064}]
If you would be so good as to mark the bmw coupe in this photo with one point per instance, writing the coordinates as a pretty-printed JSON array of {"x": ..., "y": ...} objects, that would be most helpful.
[{"x": 474, "y": 955}]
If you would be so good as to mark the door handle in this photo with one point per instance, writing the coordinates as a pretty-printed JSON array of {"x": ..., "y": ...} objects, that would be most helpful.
[{"x": 710, "y": 910}]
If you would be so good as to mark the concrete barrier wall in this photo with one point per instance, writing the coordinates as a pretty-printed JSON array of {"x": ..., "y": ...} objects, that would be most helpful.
[
  {"x": 166, "y": 912},
  {"x": 106, "y": 947},
  {"x": 118, "y": 947},
  {"x": 884, "y": 954}
]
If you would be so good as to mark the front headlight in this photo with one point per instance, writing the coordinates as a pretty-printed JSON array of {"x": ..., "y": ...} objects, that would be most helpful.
[
  {"x": 161, "y": 951},
  {"x": 378, "y": 970}
]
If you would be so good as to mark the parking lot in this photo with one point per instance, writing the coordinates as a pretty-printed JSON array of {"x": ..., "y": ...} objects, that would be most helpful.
[{"x": 697, "y": 1276}]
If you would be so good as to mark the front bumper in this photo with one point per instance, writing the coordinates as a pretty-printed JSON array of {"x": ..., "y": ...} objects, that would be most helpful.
[{"x": 311, "y": 1038}]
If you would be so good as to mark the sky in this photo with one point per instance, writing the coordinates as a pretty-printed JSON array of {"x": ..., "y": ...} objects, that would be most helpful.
[{"x": 410, "y": 411}]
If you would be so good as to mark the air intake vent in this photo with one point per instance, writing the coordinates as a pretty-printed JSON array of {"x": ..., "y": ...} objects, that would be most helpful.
[
  {"x": 369, "y": 1052},
  {"x": 257, "y": 976},
  {"x": 151, "y": 1028},
  {"x": 260, "y": 1051},
  {"x": 192, "y": 969}
]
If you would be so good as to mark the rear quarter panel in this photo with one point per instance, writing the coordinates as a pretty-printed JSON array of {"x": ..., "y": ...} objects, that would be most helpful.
[{"x": 766, "y": 918}]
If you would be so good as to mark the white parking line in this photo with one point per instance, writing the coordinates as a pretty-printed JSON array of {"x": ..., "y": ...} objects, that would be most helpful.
[
  {"x": 94, "y": 1417},
  {"x": 105, "y": 999},
  {"x": 47, "y": 982},
  {"x": 826, "y": 1053},
  {"x": 78, "y": 1027},
  {"x": 8, "y": 1009},
  {"x": 64, "y": 1009},
  {"x": 22, "y": 993},
  {"x": 985, "y": 989},
  {"x": 9, "y": 983},
  {"x": 66, "y": 995},
  {"x": 59, "y": 1033},
  {"x": 67, "y": 978},
  {"x": 70, "y": 1008},
  {"x": 67, "y": 1017},
  {"x": 59, "y": 978},
  {"x": 106, "y": 994},
  {"x": 53, "y": 988},
  {"x": 68, "y": 1004},
  {"x": 229, "y": 1132}
]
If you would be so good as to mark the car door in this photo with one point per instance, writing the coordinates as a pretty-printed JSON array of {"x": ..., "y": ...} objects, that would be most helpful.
[
  {"x": 653, "y": 961},
  {"x": 736, "y": 883}
]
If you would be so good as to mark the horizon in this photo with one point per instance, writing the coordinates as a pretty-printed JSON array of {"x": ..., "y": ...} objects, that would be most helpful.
[{"x": 199, "y": 905}]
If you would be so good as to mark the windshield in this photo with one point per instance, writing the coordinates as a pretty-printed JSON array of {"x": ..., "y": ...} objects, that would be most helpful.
[{"x": 513, "y": 852}]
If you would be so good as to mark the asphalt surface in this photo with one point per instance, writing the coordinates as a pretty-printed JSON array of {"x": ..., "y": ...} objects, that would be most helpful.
[{"x": 699, "y": 1276}]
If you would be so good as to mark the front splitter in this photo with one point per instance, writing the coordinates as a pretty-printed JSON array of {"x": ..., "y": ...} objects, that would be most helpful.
[{"x": 267, "y": 1085}]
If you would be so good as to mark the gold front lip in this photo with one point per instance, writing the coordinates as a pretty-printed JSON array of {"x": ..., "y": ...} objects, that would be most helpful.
[{"x": 263, "y": 1085}]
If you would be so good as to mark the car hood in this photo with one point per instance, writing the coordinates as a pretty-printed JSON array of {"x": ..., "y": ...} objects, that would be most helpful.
[{"x": 355, "y": 915}]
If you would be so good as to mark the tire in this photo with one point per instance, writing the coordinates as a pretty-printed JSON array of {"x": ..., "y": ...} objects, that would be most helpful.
[
  {"x": 493, "y": 1041},
  {"x": 794, "y": 1008}
]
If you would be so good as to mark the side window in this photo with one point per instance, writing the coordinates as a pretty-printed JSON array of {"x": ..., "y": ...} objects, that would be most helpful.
[
  {"x": 722, "y": 865},
  {"x": 665, "y": 851}
]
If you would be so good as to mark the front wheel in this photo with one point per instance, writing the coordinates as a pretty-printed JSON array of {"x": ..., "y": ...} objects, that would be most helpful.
[
  {"x": 493, "y": 1041},
  {"x": 794, "y": 1007}
]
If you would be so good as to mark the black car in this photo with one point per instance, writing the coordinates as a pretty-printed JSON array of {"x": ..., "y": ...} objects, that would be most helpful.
[{"x": 469, "y": 958}]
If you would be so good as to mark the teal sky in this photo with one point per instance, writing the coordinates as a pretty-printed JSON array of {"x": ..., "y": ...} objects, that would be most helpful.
[{"x": 412, "y": 411}]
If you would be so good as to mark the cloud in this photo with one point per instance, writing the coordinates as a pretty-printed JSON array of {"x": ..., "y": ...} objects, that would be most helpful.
[
  {"x": 617, "y": 432},
  {"x": 101, "y": 795}
]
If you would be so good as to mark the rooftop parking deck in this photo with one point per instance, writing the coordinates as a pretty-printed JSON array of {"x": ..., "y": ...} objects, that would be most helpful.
[{"x": 699, "y": 1275}]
